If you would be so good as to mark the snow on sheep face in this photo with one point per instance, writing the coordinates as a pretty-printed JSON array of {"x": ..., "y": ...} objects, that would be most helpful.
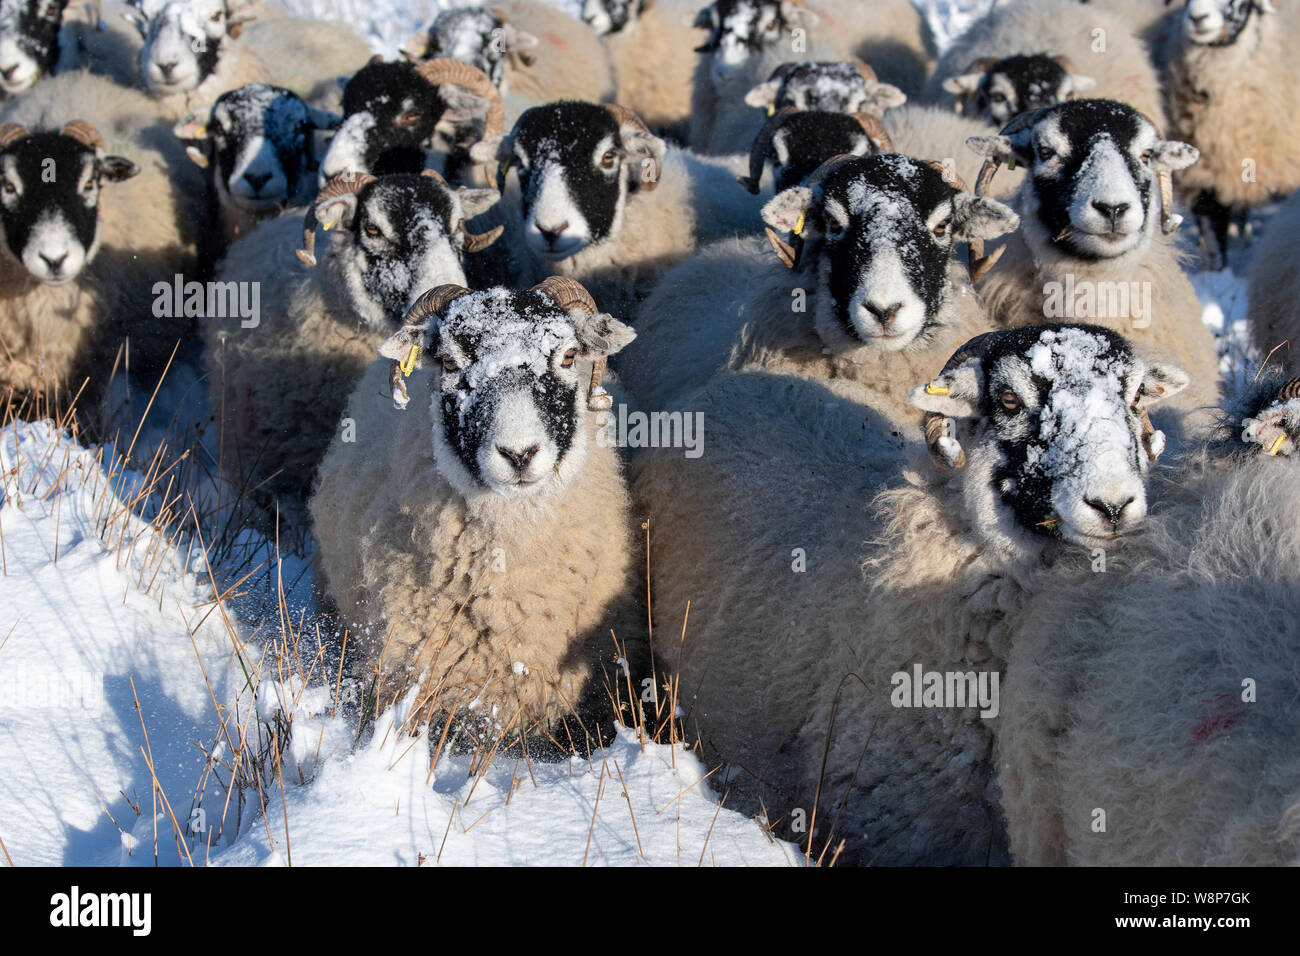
[
  {"x": 1092, "y": 193},
  {"x": 29, "y": 41},
  {"x": 806, "y": 140},
  {"x": 49, "y": 202},
  {"x": 880, "y": 235},
  {"x": 1052, "y": 421},
  {"x": 401, "y": 236},
  {"x": 611, "y": 16},
  {"x": 1016, "y": 84},
  {"x": 471, "y": 35},
  {"x": 182, "y": 43},
  {"x": 508, "y": 400},
  {"x": 829, "y": 87},
  {"x": 740, "y": 29},
  {"x": 391, "y": 116},
  {"x": 575, "y": 164},
  {"x": 258, "y": 141},
  {"x": 1220, "y": 22}
]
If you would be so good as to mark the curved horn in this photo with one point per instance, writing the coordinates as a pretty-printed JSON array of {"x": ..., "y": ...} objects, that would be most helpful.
[
  {"x": 940, "y": 426},
  {"x": 338, "y": 186},
  {"x": 1064, "y": 62},
  {"x": 949, "y": 176},
  {"x": 875, "y": 131},
  {"x": 868, "y": 74},
  {"x": 982, "y": 65},
  {"x": 445, "y": 70},
  {"x": 83, "y": 133},
  {"x": 761, "y": 148},
  {"x": 570, "y": 294},
  {"x": 625, "y": 117},
  {"x": 790, "y": 252},
  {"x": 478, "y": 241},
  {"x": 433, "y": 302},
  {"x": 828, "y": 167},
  {"x": 1169, "y": 220},
  {"x": 11, "y": 133},
  {"x": 434, "y": 175}
]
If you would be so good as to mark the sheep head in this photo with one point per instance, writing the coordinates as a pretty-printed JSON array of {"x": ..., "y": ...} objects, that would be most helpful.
[
  {"x": 997, "y": 90},
  {"x": 835, "y": 87},
  {"x": 29, "y": 42}
]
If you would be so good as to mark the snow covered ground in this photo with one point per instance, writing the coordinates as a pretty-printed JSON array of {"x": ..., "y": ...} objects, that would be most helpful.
[{"x": 139, "y": 717}]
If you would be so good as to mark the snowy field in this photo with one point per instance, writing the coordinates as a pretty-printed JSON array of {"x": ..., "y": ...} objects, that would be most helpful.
[{"x": 127, "y": 688}]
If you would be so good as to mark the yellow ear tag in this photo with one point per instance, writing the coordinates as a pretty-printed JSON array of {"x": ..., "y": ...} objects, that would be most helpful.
[
  {"x": 1277, "y": 444},
  {"x": 1011, "y": 163},
  {"x": 932, "y": 389},
  {"x": 200, "y": 132},
  {"x": 505, "y": 167},
  {"x": 798, "y": 226},
  {"x": 771, "y": 108},
  {"x": 327, "y": 225},
  {"x": 408, "y": 366}
]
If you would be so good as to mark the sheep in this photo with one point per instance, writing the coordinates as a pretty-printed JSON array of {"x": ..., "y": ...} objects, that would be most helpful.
[
  {"x": 1232, "y": 84},
  {"x": 1098, "y": 42},
  {"x": 932, "y": 132},
  {"x": 797, "y": 629},
  {"x": 1094, "y": 240},
  {"x": 798, "y": 142},
  {"x": 843, "y": 87},
  {"x": 403, "y": 117},
  {"x": 40, "y": 38},
  {"x": 81, "y": 254},
  {"x": 749, "y": 38},
  {"x": 647, "y": 40},
  {"x": 532, "y": 51},
  {"x": 1274, "y": 290},
  {"x": 996, "y": 89},
  {"x": 259, "y": 143},
  {"x": 603, "y": 200},
  {"x": 868, "y": 290},
  {"x": 1149, "y": 712},
  {"x": 494, "y": 560},
  {"x": 280, "y": 382}
]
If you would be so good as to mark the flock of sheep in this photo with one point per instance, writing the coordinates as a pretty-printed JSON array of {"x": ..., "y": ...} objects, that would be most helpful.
[{"x": 961, "y": 416}]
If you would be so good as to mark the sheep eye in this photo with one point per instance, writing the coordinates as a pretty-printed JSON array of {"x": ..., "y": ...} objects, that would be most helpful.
[
  {"x": 409, "y": 118},
  {"x": 569, "y": 356},
  {"x": 941, "y": 229},
  {"x": 1045, "y": 153},
  {"x": 215, "y": 18},
  {"x": 9, "y": 187},
  {"x": 607, "y": 161},
  {"x": 372, "y": 231},
  {"x": 1146, "y": 157},
  {"x": 90, "y": 185},
  {"x": 999, "y": 98},
  {"x": 449, "y": 365},
  {"x": 1011, "y": 401}
]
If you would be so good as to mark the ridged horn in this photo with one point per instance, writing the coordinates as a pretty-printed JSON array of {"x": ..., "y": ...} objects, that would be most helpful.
[
  {"x": 949, "y": 176},
  {"x": 338, "y": 186},
  {"x": 571, "y": 294},
  {"x": 936, "y": 425},
  {"x": 867, "y": 73},
  {"x": 478, "y": 241},
  {"x": 11, "y": 133},
  {"x": 978, "y": 264},
  {"x": 83, "y": 133},
  {"x": 1289, "y": 391},
  {"x": 625, "y": 117},
  {"x": 762, "y": 147},
  {"x": 446, "y": 70},
  {"x": 433, "y": 302},
  {"x": 875, "y": 131}
]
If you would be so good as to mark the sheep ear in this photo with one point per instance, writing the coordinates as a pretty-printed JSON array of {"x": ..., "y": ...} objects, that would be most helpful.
[
  {"x": 704, "y": 19},
  {"x": 978, "y": 217},
  {"x": 881, "y": 97},
  {"x": 798, "y": 15},
  {"x": 519, "y": 40},
  {"x": 788, "y": 208},
  {"x": 1172, "y": 155},
  {"x": 474, "y": 202},
  {"x": 601, "y": 334},
  {"x": 139, "y": 22},
  {"x": 1079, "y": 83},
  {"x": 955, "y": 393},
  {"x": 337, "y": 211},
  {"x": 1162, "y": 381},
  {"x": 992, "y": 147},
  {"x": 116, "y": 169},
  {"x": 646, "y": 152},
  {"x": 492, "y": 149},
  {"x": 963, "y": 85},
  {"x": 763, "y": 96},
  {"x": 398, "y": 345},
  {"x": 194, "y": 125}
]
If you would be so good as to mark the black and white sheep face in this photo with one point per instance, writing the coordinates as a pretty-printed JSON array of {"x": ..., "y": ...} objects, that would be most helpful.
[
  {"x": 1052, "y": 420},
  {"x": 806, "y": 140},
  {"x": 471, "y": 35},
  {"x": 401, "y": 237},
  {"x": 740, "y": 29},
  {"x": 1093, "y": 192},
  {"x": 881, "y": 232},
  {"x": 29, "y": 41},
  {"x": 828, "y": 87},
  {"x": 49, "y": 203},
  {"x": 611, "y": 16},
  {"x": 1220, "y": 22},
  {"x": 182, "y": 43},
  {"x": 575, "y": 163},
  {"x": 258, "y": 141},
  {"x": 1015, "y": 84},
  {"x": 391, "y": 117},
  {"x": 509, "y": 397}
]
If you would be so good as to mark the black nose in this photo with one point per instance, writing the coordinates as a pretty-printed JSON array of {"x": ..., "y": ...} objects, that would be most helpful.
[
  {"x": 257, "y": 181},
  {"x": 550, "y": 235},
  {"x": 884, "y": 314},
  {"x": 519, "y": 459},
  {"x": 166, "y": 68},
  {"x": 1110, "y": 510},
  {"x": 8, "y": 74},
  {"x": 1198, "y": 20},
  {"x": 54, "y": 264},
  {"x": 1111, "y": 211}
]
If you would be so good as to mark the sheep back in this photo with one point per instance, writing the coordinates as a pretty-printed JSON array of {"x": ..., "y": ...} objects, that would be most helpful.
[{"x": 1274, "y": 292}]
